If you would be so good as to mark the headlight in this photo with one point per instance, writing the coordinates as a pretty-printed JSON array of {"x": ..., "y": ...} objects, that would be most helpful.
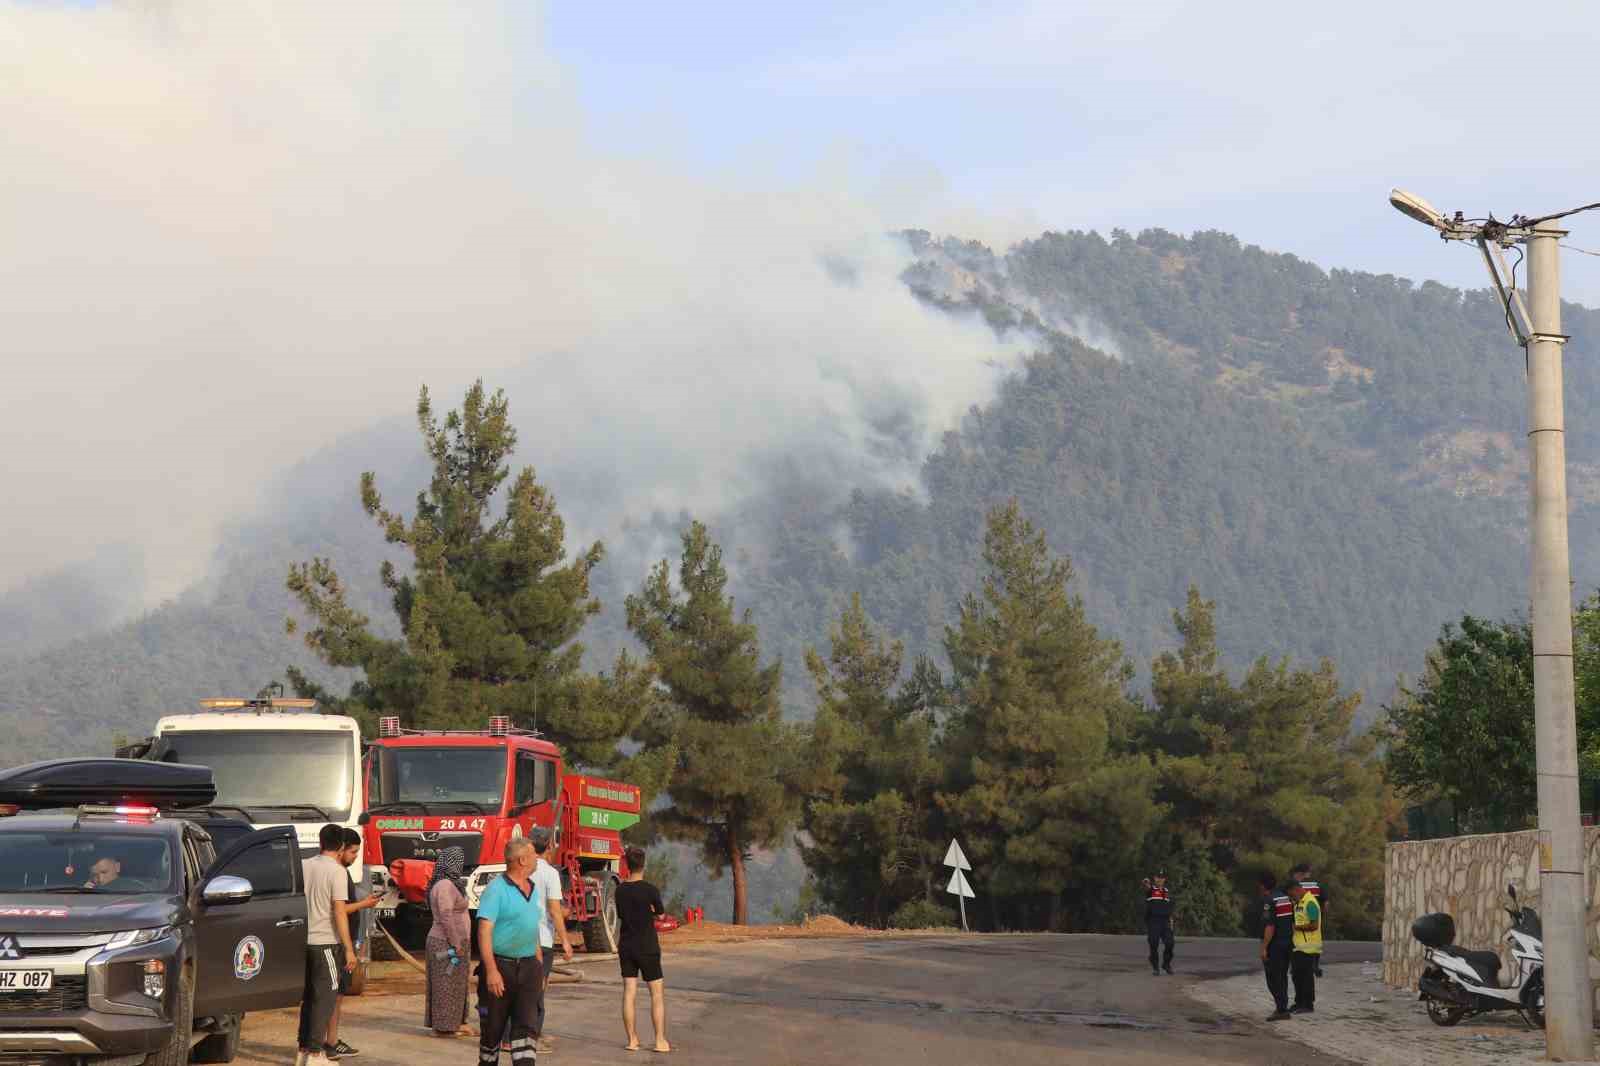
[{"x": 129, "y": 938}]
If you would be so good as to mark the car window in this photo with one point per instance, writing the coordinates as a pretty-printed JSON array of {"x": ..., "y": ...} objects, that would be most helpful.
[
  {"x": 84, "y": 860},
  {"x": 267, "y": 866},
  {"x": 548, "y": 783}
]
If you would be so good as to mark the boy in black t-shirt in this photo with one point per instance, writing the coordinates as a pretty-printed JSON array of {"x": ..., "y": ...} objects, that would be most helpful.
[{"x": 638, "y": 903}]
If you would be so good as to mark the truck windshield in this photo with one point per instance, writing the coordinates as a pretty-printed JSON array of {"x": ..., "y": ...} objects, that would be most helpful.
[
  {"x": 276, "y": 776},
  {"x": 441, "y": 776},
  {"x": 85, "y": 863}
]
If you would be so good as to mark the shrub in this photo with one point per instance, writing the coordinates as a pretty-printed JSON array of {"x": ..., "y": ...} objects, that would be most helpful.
[{"x": 923, "y": 914}]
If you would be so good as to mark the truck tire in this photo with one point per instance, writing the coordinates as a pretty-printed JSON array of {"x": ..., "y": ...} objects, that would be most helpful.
[
  {"x": 176, "y": 1053},
  {"x": 220, "y": 1047},
  {"x": 602, "y": 932}
]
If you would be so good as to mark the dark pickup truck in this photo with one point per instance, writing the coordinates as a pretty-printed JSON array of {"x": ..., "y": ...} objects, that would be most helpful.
[{"x": 133, "y": 931}]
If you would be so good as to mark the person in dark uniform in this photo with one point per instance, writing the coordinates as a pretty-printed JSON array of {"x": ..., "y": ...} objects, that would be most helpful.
[
  {"x": 1158, "y": 921},
  {"x": 1302, "y": 873},
  {"x": 1277, "y": 944}
]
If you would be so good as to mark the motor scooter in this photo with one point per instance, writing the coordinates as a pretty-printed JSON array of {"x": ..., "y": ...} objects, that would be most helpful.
[{"x": 1458, "y": 982}]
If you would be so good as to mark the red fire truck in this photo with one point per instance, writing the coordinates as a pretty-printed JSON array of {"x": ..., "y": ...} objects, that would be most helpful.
[{"x": 429, "y": 790}]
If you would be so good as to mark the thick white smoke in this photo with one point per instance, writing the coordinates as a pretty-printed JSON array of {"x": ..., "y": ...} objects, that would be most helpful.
[{"x": 234, "y": 229}]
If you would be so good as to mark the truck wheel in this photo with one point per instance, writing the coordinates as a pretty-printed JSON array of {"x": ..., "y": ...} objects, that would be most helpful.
[
  {"x": 602, "y": 932},
  {"x": 176, "y": 1053},
  {"x": 358, "y": 981},
  {"x": 220, "y": 1047}
]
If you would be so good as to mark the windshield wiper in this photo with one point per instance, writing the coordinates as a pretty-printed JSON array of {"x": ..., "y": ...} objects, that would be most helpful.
[
  {"x": 402, "y": 805},
  {"x": 463, "y": 803},
  {"x": 309, "y": 807},
  {"x": 221, "y": 808},
  {"x": 62, "y": 888}
]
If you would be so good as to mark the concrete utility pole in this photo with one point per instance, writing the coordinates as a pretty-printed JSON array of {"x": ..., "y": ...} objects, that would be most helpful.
[{"x": 1568, "y": 1000}]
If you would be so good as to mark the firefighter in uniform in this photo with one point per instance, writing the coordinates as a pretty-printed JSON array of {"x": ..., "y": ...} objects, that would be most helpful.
[
  {"x": 1302, "y": 873},
  {"x": 1158, "y": 921},
  {"x": 1277, "y": 943}
]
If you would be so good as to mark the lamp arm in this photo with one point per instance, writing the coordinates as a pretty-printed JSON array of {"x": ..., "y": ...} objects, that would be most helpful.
[{"x": 1517, "y": 318}]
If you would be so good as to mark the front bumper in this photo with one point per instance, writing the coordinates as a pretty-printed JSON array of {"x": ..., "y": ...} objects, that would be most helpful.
[
  {"x": 41, "y": 1037},
  {"x": 94, "y": 1007}
]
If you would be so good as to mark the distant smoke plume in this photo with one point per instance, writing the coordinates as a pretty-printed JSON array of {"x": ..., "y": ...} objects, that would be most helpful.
[{"x": 234, "y": 230}]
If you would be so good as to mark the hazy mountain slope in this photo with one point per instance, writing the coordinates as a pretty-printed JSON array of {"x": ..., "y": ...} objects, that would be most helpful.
[{"x": 1335, "y": 457}]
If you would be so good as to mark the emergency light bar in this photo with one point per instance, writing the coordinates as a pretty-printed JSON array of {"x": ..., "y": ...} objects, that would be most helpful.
[
  {"x": 499, "y": 725},
  {"x": 122, "y": 811},
  {"x": 277, "y": 703},
  {"x": 389, "y": 726}
]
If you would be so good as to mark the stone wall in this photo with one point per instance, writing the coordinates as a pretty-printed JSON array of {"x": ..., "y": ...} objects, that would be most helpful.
[{"x": 1467, "y": 877}]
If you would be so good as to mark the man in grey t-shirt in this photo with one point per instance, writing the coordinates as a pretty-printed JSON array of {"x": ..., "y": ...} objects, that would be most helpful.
[{"x": 328, "y": 947}]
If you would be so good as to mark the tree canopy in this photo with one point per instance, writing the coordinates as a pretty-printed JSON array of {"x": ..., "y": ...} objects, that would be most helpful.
[{"x": 489, "y": 609}]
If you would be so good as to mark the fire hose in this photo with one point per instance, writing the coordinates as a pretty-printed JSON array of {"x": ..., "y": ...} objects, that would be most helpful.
[{"x": 558, "y": 975}]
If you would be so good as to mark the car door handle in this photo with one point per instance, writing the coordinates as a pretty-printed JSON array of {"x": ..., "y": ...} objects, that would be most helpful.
[{"x": 291, "y": 923}]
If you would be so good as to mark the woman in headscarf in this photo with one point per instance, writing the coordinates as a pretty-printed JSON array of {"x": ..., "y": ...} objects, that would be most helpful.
[{"x": 449, "y": 947}]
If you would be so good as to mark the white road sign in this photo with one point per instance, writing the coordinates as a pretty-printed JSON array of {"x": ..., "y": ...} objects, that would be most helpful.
[
  {"x": 958, "y": 886},
  {"x": 954, "y": 857}
]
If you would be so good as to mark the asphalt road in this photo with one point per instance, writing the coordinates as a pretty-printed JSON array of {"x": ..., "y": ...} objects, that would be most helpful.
[{"x": 973, "y": 1000}]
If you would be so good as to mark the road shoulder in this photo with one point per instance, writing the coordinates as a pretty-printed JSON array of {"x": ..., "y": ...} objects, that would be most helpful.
[{"x": 1361, "y": 1019}]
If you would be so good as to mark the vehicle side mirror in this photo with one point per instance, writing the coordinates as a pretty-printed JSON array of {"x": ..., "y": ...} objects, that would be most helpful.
[
  {"x": 364, "y": 817},
  {"x": 225, "y": 889}
]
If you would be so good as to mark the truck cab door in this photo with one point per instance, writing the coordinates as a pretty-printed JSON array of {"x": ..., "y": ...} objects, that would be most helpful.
[{"x": 251, "y": 949}]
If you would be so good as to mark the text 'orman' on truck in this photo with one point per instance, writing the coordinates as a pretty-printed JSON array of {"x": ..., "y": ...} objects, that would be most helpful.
[
  {"x": 477, "y": 790},
  {"x": 128, "y": 932}
]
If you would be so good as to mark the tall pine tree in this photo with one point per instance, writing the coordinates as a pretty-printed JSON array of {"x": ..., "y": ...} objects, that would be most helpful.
[
  {"x": 489, "y": 610},
  {"x": 1051, "y": 812},
  {"x": 1268, "y": 772},
  {"x": 870, "y": 812},
  {"x": 733, "y": 779}
]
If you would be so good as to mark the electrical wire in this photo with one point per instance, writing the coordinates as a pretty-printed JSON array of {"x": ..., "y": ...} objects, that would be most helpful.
[
  {"x": 1581, "y": 251},
  {"x": 1558, "y": 214},
  {"x": 1506, "y": 304}
]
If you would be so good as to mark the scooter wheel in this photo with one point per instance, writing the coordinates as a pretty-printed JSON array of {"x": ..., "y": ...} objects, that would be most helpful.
[{"x": 1442, "y": 1013}]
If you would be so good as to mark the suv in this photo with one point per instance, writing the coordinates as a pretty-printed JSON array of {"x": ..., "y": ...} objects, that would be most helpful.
[{"x": 131, "y": 932}]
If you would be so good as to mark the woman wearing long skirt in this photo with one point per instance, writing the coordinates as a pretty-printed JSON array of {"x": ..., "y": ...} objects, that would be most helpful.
[{"x": 449, "y": 947}]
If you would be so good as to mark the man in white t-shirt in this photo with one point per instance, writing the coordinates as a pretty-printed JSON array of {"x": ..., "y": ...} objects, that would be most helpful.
[{"x": 548, "y": 878}]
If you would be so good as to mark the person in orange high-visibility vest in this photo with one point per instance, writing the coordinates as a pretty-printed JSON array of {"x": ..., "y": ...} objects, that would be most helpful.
[{"x": 1158, "y": 921}]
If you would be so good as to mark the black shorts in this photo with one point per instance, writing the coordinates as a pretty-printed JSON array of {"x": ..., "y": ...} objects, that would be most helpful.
[{"x": 636, "y": 963}]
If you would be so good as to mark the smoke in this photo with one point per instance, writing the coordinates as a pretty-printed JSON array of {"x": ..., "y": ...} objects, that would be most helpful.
[{"x": 235, "y": 230}]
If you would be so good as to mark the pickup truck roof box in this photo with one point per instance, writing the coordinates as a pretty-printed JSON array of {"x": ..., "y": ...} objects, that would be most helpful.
[{"x": 71, "y": 782}]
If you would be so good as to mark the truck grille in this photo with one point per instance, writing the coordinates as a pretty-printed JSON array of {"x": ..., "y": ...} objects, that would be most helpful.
[
  {"x": 68, "y": 994},
  {"x": 413, "y": 846}
]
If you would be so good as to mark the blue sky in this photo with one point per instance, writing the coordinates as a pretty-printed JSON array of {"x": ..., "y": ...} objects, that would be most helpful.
[{"x": 1283, "y": 123}]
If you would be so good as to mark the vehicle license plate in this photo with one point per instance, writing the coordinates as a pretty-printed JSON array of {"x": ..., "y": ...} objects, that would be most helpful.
[{"x": 25, "y": 980}]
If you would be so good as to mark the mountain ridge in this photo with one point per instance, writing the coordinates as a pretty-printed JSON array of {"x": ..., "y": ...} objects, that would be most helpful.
[{"x": 1329, "y": 454}]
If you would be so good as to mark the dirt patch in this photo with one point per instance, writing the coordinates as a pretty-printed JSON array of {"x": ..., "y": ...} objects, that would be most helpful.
[{"x": 818, "y": 928}]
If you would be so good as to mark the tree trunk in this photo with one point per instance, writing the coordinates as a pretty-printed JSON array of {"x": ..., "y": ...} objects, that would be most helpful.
[{"x": 741, "y": 901}]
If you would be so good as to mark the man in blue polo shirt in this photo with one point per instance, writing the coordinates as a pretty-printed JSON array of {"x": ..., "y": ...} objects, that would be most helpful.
[{"x": 511, "y": 976}]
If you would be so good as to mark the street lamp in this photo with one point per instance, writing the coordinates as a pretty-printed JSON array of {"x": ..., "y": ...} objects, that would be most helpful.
[{"x": 1536, "y": 324}]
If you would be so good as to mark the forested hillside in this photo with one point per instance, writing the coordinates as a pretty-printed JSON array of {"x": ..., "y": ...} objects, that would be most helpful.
[{"x": 1335, "y": 458}]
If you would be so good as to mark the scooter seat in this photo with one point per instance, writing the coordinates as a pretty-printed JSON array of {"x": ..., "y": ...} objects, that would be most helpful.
[{"x": 1485, "y": 963}]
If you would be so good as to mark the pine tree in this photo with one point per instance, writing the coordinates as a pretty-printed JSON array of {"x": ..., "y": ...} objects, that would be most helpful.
[
  {"x": 489, "y": 610},
  {"x": 870, "y": 812},
  {"x": 1269, "y": 773},
  {"x": 1044, "y": 804},
  {"x": 733, "y": 780}
]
